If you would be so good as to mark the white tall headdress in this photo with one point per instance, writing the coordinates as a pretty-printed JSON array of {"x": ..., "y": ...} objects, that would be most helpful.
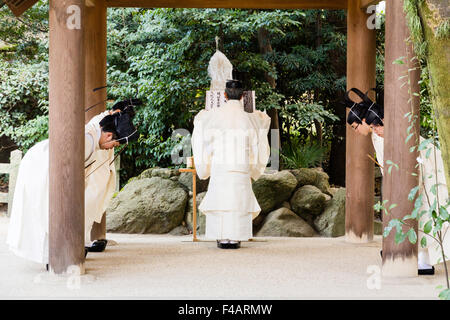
[{"x": 220, "y": 70}]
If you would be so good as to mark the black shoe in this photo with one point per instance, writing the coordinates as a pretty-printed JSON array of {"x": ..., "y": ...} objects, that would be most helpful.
[
  {"x": 426, "y": 271},
  {"x": 98, "y": 246},
  {"x": 234, "y": 244},
  {"x": 222, "y": 244},
  {"x": 381, "y": 253}
]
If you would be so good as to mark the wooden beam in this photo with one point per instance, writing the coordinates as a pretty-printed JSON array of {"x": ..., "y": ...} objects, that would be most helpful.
[
  {"x": 248, "y": 4},
  {"x": 399, "y": 260},
  {"x": 18, "y": 7},
  {"x": 66, "y": 135},
  {"x": 95, "y": 53},
  {"x": 359, "y": 173},
  {"x": 366, "y": 3}
]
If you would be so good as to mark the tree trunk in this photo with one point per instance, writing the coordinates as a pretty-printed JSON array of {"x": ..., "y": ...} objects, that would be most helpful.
[
  {"x": 265, "y": 47},
  {"x": 317, "y": 124},
  {"x": 433, "y": 13}
]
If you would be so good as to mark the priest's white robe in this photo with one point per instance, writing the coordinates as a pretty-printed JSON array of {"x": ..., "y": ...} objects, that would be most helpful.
[
  {"x": 29, "y": 222},
  {"x": 230, "y": 146},
  {"x": 430, "y": 165}
]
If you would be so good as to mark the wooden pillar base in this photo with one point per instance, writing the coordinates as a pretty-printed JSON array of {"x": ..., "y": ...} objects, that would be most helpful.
[
  {"x": 73, "y": 270},
  {"x": 400, "y": 267},
  {"x": 351, "y": 237}
]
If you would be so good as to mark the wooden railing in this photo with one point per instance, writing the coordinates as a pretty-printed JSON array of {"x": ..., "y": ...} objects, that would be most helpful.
[{"x": 12, "y": 170}]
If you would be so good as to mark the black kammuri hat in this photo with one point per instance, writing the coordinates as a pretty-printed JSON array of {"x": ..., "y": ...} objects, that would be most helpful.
[{"x": 234, "y": 84}]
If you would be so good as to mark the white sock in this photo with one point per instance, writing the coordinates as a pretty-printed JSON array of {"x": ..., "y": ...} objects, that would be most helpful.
[{"x": 424, "y": 260}]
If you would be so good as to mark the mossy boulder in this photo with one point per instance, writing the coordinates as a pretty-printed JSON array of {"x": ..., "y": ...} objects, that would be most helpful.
[
  {"x": 147, "y": 205},
  {"x": 285, "y": 223},
  {"x": 271, "y": 190}
]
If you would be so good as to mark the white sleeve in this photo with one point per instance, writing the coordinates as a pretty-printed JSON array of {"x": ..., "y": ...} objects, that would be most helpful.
[
  {"x": 260, "y": 149},
  {"x": 89, "y": 146},
  {"x": 200, "y": 147}
]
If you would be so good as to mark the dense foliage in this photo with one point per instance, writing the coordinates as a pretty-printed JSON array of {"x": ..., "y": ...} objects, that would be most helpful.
[{"x": 162, "y": 55}]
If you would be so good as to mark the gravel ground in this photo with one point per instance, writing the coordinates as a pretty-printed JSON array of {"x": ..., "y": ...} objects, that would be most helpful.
[{"x": 173, "y": 267}]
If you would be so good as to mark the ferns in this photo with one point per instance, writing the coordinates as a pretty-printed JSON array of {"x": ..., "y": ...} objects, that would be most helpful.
[{"x": 298, "y": 155}]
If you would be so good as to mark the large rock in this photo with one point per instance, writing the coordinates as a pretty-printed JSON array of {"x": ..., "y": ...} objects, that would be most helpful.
[
  {"x": 148, "y": 205},
  {"x": 315, "y": 177},
  {"x": 201, "y": 218},
  {"x": 285, "y": 223},
  {"x": 308, "y": 199},
  {"x": 271, "y": 190},
  {"x": 159, "y": 172},
  {"x": 305, "y": 176},
  {"x": 186, "y": 180},
  {"x": 331, "y": 223},
  {"x": 322, "y": 182}
]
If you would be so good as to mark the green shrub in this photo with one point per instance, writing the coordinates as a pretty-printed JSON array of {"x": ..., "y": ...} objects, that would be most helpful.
[{"x": 302, "y": 155}]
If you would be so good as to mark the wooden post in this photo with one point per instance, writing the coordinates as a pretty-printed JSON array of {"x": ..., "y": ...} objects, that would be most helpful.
[
  {"x": 194, "y": 200},
  {"x": 66, "y": 135},
  {"x": 399, "y": 260},
  {"x": 194, "y": 206},
  {"x": 359, "y": 176},
  {"x": 16, "y": 157},
  {"x": 95, "y": 57}
]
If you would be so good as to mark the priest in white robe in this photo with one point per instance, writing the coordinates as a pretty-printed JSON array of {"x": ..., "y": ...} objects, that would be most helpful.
[
  {"x": 231, "y": 147},
  {"x": 29, "y": 224}
]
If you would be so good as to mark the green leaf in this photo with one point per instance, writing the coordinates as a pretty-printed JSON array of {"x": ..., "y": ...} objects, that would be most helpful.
[
  {"x": 386, "y": 231},
  {"x": 428, "y": 226},
  {"x": 392, "y": 206},
  {"x": 445, "y": 294},
  {"x": 423, "y": 145},
  {"x": 444, "y": 213},
  {"x": 427, "y": 155},
  {"x": 400, "y": 237},
  {"x": 423, "y": 242},
  {"x": 418, "y": 203},
  {"x": 412, "y": 193},
  {"x": 409, "y": 137},
  {"x": 398, "y": 61},
  {"x": 412, "y": 236}
]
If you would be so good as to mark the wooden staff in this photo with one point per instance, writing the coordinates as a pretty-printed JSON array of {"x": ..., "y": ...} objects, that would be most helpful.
[{"x": 191, "y": 168}]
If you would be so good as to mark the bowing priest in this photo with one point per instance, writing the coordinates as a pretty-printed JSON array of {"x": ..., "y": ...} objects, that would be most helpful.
[
  {"x": 231, "y": 147},
  {"x": 368, "y": 117},
  {"x": 29, "y": 222}
]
